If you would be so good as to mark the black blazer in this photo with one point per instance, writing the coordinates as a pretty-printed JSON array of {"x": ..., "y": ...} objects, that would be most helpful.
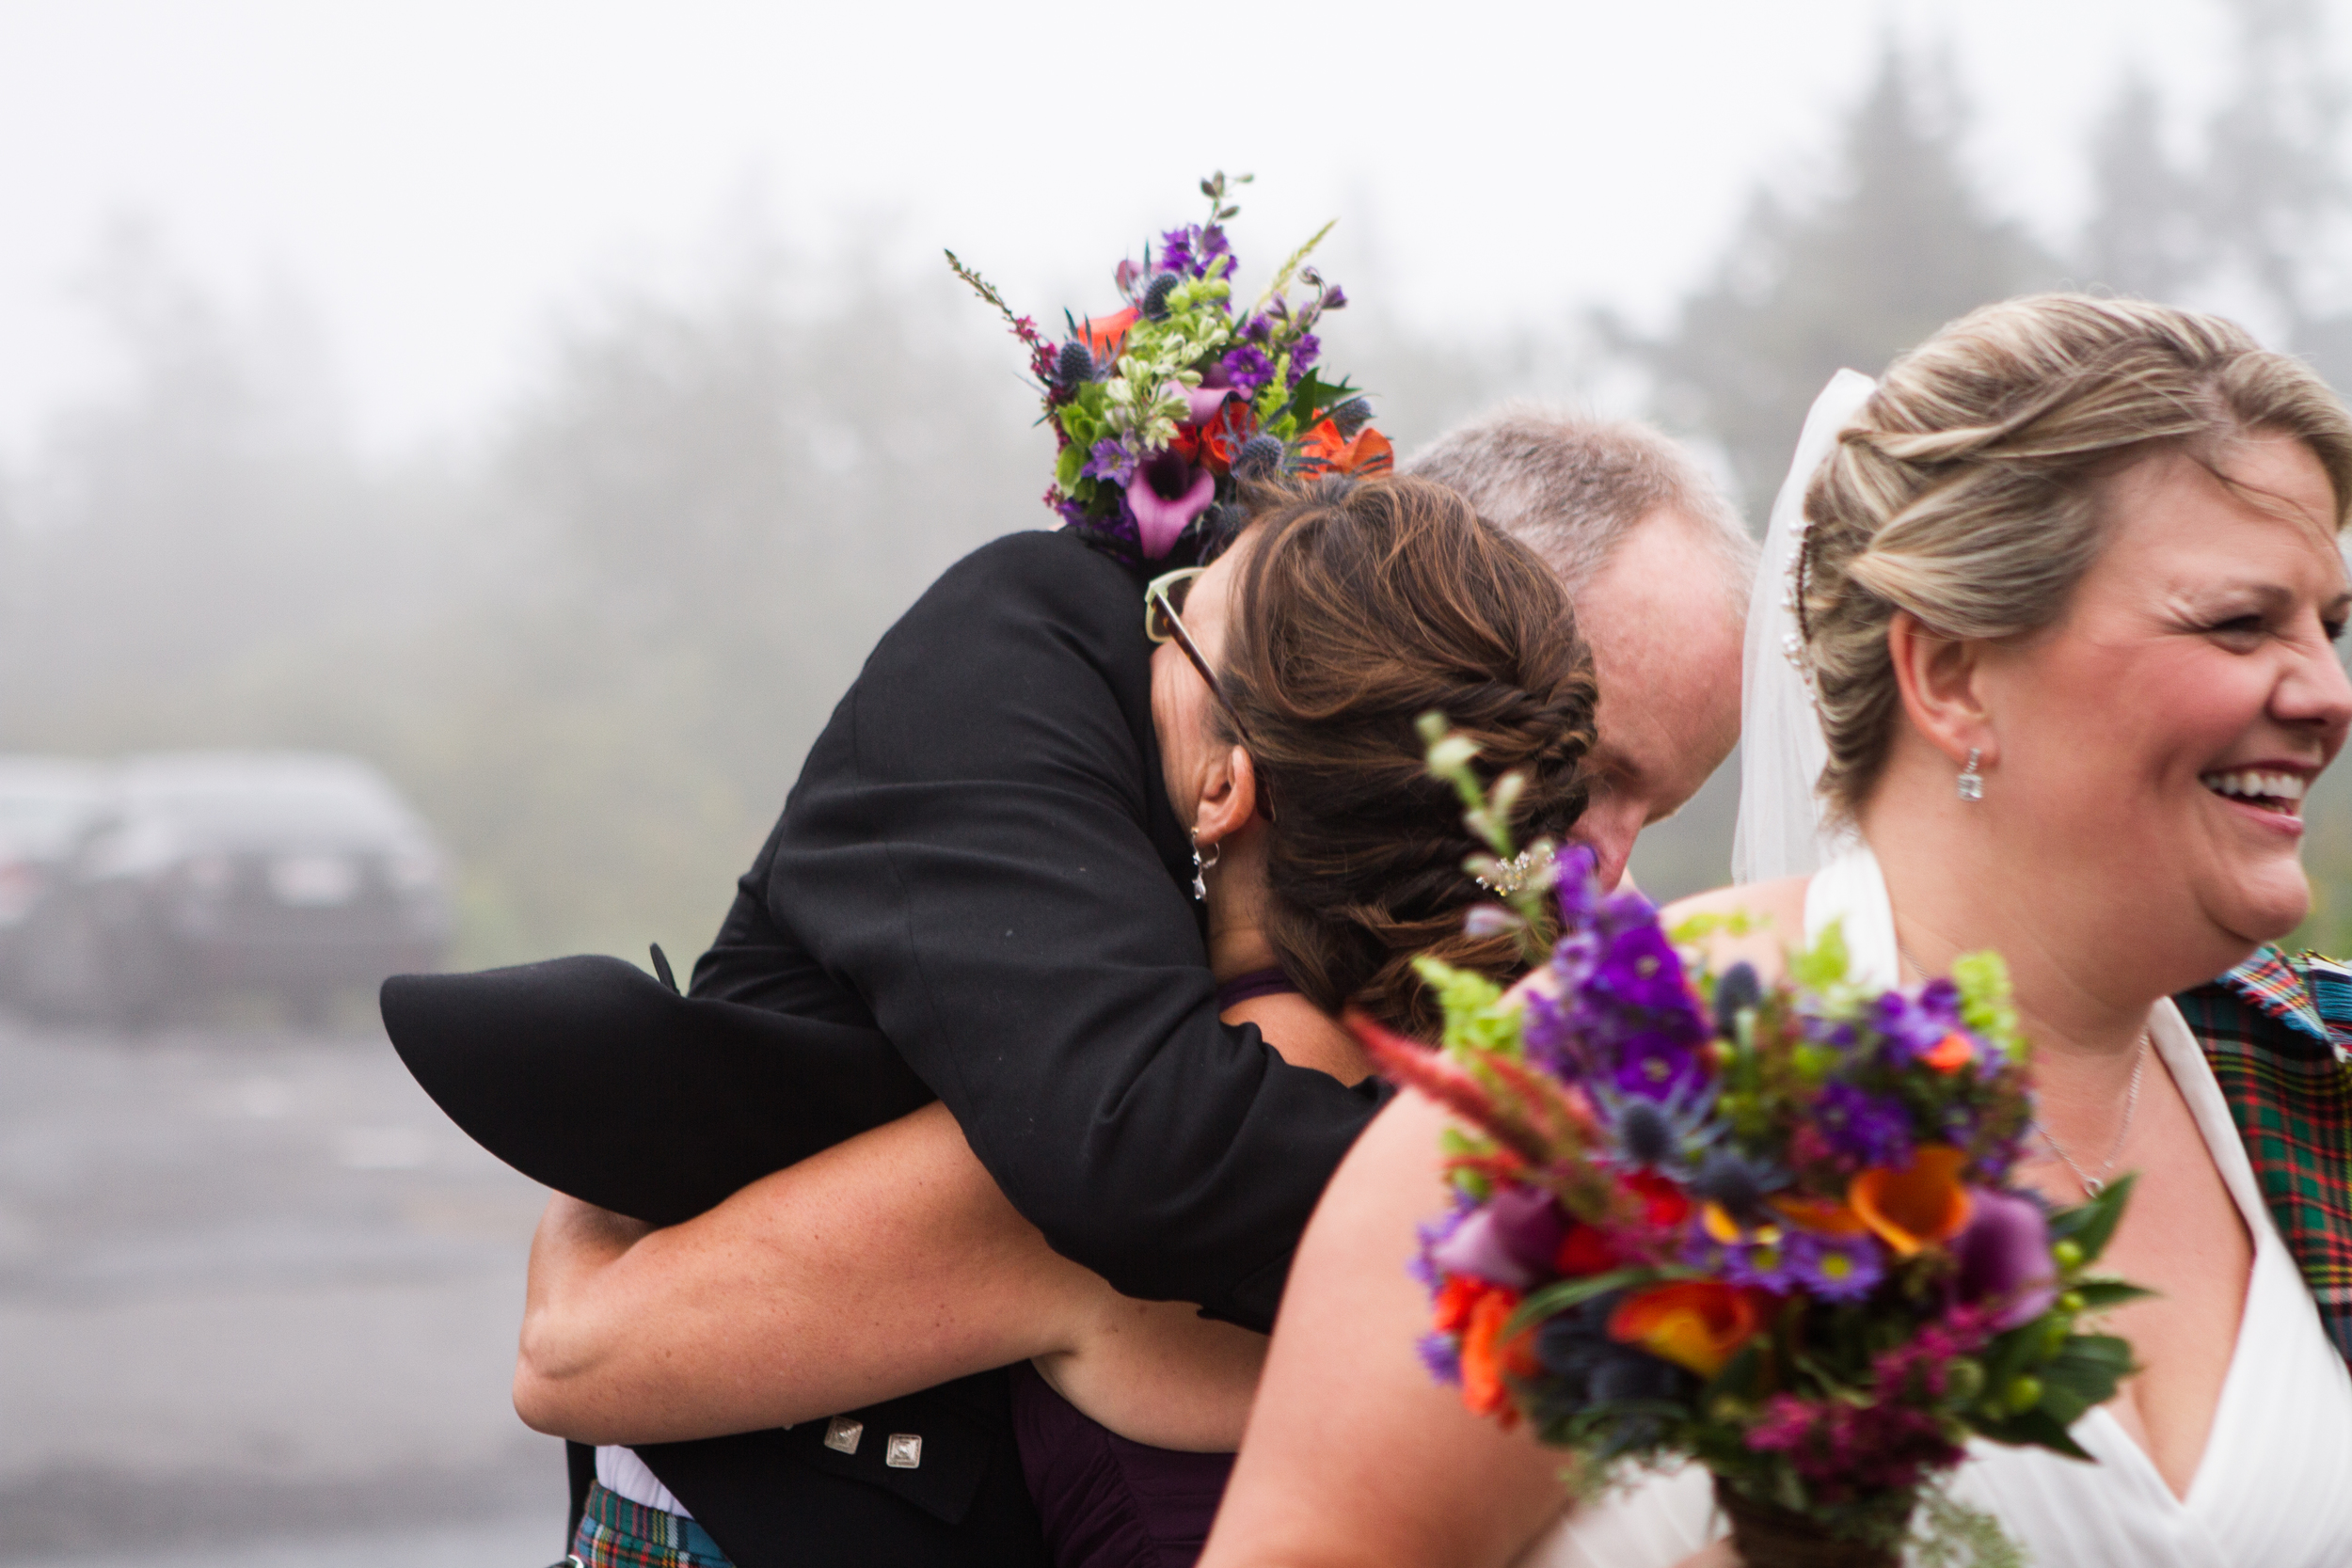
[{"x": 977, "y": 891}]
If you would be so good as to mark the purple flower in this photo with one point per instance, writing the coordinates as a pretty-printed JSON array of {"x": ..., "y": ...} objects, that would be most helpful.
[
  {"x": 1639, "y": 977},
  {"x": 1870, "y": 1128},
  {"x": 1910, "y": 1028},
  {"x": 1477, "y": 1249},
  {"x": 1111, "y": 462},
  {"x": 1440, "y": 1355},
  {"x": 1657, "y": 1065},
  {"x": 1247, "y": 369},
  {"x": 1530, "y": 1225},
  {"x": 1256, "y": 329},
  {"x": 1303, "y": 354},
  {"x": 1757, "y": 1257},
  {"x": 1167, "y": 494},
  {"x": 2004, "y": 1255},
  {"x": 1176, "y": 251},
  {"x": 1431, "y": 1234},
  {"x": 1335, "y": 298},
  {"x": 1835, "y": 1268}
]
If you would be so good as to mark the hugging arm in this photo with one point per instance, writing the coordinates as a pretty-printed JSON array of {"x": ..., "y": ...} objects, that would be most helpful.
[
  {"x": 881, "y": 1266},
  {"x": 982, "y": 848},
  {"x": 1355, "y": 1454}
]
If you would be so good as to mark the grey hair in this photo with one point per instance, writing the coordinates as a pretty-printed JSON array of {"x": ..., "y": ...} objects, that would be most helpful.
[{"x": 1571, "y": 489}]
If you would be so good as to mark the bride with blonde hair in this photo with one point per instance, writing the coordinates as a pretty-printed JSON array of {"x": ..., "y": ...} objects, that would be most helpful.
[{"x": 2055, "y": 670}]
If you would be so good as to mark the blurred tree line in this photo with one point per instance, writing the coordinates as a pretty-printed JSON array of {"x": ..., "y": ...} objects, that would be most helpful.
[{"x": 593, "y": 644}]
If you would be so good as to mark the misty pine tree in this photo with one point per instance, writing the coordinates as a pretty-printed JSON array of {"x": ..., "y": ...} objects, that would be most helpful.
[
  {"x": 2144, "y": 236},
  {"x": 1901, "y": 244}
]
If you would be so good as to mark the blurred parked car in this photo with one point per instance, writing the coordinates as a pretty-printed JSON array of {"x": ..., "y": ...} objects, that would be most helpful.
[
  {"x": 46, "y": 806},
  {"x": 209, "y": 871}
]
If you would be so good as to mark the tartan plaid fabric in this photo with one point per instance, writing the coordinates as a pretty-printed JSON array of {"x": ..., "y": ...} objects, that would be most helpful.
[
  {"x": 617, "y": 1533},
  {"x": 2278, "y": 1031}
]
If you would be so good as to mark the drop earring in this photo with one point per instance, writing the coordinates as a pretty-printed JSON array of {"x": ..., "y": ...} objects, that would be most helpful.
[
  {"x": 1972, "y": 782},
  {"x": 1200, "y": 868}
]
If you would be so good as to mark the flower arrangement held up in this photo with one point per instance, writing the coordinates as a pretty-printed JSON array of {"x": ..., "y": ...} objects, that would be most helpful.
[
  {"x": 1768, "y": 1228},
  {"x": 1162, "y": 409}
]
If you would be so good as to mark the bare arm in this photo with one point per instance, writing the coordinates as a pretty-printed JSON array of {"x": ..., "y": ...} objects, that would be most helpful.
[
  {"x": 1355, "y": 1455},
  {"x": 887, "y": 1264}
]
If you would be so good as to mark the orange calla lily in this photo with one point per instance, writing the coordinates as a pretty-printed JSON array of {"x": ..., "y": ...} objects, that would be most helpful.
[
  {"x": 1105, "y": 335},
  {"x": 1696, "y": 1323},
  {"x": 1923, "y": 1202},
  {"x": 1952, "y": 1053},
  {"x": 1823, "y": 1214},
  {"x": 1324, "y": 447}
]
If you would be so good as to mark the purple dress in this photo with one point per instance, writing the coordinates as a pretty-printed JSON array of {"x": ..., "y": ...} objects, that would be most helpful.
[{"x": 1108, "y": 1503}]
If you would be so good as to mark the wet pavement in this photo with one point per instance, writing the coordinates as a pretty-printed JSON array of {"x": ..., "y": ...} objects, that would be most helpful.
[{"x": 258, "y": 1304}]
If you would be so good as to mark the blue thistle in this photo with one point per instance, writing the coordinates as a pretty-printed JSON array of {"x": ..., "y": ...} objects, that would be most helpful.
[
  {"x": 1352, "y": 416},
  {"x": 1156, "y": 297},
  {"x": 1258, "y": 458},
  {"x": 1076, "y": 365}
]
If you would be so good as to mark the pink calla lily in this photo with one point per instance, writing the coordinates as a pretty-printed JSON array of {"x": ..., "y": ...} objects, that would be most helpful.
[
  {"x": 1206, "y": 401},
  {"x": 1165, "y": 495}
]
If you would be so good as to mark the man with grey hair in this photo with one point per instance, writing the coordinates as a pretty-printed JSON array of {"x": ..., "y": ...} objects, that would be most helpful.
[{"x": 1659, "y": 567}]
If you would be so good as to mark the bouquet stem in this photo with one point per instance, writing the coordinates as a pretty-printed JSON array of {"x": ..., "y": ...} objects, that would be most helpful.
[{"x": 1769, "y": 1536}]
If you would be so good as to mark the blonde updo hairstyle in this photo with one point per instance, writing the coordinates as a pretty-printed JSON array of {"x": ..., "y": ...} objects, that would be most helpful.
[{"x": 1964, "y": 493}]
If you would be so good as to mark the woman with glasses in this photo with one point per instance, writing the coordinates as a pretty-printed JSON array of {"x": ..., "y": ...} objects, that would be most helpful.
[{"x": 1285, "y": 688}]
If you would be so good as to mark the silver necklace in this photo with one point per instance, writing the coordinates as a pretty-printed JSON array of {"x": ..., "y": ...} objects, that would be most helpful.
[{"x": 2092, "y": 1186}]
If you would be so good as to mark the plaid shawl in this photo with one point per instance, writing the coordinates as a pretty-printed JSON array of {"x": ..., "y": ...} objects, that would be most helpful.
[{"x": 2278, "y": 1031}]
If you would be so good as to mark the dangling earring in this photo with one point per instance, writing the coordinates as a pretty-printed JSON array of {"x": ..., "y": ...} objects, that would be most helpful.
[
  {"x": 1201, "y": 867},
  {"x": 1972, "y": 782}
]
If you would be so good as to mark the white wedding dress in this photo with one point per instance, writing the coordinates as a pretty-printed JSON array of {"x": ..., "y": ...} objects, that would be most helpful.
[{"x": 2274, "y": 1489}]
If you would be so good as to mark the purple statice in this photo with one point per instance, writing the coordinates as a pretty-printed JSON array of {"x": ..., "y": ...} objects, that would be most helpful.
[
  {"x": 1247, "y": 369},
  {"x": 1443, "y": 1358},
  {"x": 1869, "y": 1128},
  {"x": 1110, "y": 462},
  {"x": 1835, "y": 1268}
]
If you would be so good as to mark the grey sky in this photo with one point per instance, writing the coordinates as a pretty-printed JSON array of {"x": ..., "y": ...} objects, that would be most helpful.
[{"x": 436, "y": 179}]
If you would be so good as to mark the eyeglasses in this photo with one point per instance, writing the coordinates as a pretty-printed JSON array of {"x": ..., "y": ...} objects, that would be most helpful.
[{"x": 1162, "y": 599}]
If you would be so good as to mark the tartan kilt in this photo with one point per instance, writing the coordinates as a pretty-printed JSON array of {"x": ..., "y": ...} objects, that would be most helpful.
[
  {"x": 617, "y": 1533},
  {"x": 2278, "y": 1030}
]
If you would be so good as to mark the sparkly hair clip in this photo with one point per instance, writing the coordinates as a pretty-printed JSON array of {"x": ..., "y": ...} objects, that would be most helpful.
[{"x": 1531, "y": 867}]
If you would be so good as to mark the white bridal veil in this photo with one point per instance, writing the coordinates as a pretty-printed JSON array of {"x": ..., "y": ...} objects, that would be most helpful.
[{"x": 1781, "y": 749}]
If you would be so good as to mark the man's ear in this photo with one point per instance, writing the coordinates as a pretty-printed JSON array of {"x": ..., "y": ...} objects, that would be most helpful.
[
  {"x": 1229, "y": 798},
  {"x": 1939, "y": 677}
]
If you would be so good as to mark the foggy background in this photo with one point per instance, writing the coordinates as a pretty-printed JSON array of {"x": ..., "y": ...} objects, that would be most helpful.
[{"x": 550, "y": 405}]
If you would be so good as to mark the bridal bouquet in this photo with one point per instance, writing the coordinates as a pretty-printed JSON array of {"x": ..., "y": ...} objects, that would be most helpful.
[
  {"x": 1769, "y": 1227},
  {"x": 1161, "y": 408}
]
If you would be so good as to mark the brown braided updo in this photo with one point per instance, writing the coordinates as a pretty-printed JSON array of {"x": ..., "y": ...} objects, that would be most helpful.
[{"x": 1361, "y": 606}]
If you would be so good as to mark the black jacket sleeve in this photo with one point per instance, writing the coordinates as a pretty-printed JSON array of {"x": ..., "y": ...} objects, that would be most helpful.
[{"x": 981, "y": 848}]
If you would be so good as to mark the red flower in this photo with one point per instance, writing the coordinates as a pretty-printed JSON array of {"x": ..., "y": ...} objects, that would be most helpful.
[
  {"x": 1486, "y": 1357},
  {"x": 1223, "y": 435},
  {"x": 1584, "y": 1252},
  {"x": 1663, "y": 1204}
]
